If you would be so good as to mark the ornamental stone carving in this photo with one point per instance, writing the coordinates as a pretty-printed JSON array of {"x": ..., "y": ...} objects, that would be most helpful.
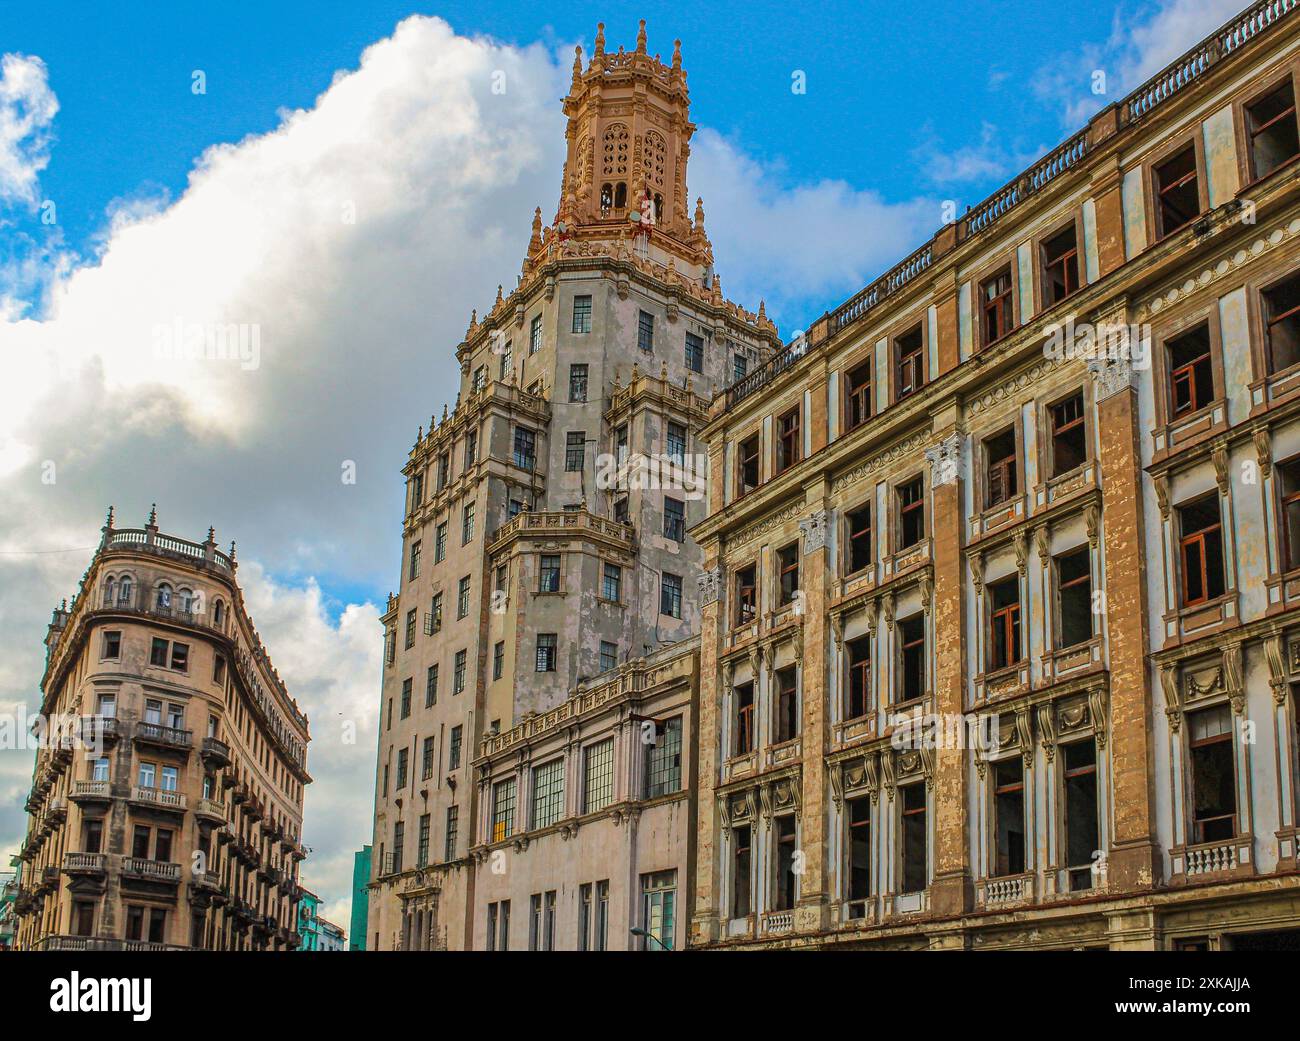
[
  {"x": 945, "y": 461},
  {"x": 814, "y": 531},
  {"x": 710, "y": 586}
]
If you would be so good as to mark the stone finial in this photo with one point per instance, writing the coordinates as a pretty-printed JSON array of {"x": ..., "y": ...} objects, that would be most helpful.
[
  {"x": 641, "y": 38},
  {"x": 762, "y": 310},
  {"x": 444, "y": 413},
  {"x": 577, "y": 67},
  {"x": 108, "y": 521},
  {"x": 419, "y": 433},
  {"x": 232, "y": 551},
  {"x": 600, "y": 40},
  {"x": 212, "y": 534},
  {"x": 535, "y": 243},
  {"x": 473, "y": 323},
  {"x": 499, "y": 296},
  {"x": 663, "y": 371},
  {"x": 677, "y": 55},
  {"x": 153, "y": 515}
]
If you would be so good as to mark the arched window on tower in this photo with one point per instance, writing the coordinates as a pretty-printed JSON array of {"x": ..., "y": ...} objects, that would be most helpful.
[
  {"x": 164, "y": 596},
  {"x": 606, "y": 198},
  {"x": 219, "y": 612},
  {"x": 110, "y": 591},
  {"x": 620, "y": 195},
  {"x": 124, "y": 590},
  {"x": 659, "y": 208}
]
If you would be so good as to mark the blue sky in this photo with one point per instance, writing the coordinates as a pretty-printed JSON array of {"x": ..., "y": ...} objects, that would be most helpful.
[{"x": 225, "y": 207}]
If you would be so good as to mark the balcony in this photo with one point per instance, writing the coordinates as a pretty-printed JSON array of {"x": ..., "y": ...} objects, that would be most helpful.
[
  {"x": 158, "y": 799},
  {"x": 103, "y": 943},
  {"x": 98, "y": 731},
  {"x": 90, "y": 864},
  {"x": 89, "y": 791},
  {"x": 163, "y": 737},
  {"x": 210, "y": 811},
  {"x": 777, "y": 922},
  {"x": 1213, "y": 860},
  {"x": 1007, "y": 891},
  {"x": 215, "y": 753},
  {"x": 151, "y": 870},
  {"x": 58, "y": 811}
]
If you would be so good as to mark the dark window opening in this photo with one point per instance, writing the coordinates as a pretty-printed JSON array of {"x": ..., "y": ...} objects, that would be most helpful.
[
  {"x": 911, "y": 513},
  {"x": 1074, "y": 592},
  {"x": 1288, "y": 475},
  {"x": 747, "y": 465},
  {"x": 859, "y": 539},
  {"x": 1282, "y": 324},
  {"x": 787, "y": 705},
  {"x": 909, "y": 363},
  {"x": 1214, "y": 781},
  {"x": 859, "y": 684},
  {"x": 1060, "y": 266},
  {"x": 787, "y": 560},
  {"x": 787, "y": 882},
  {"x": 1004, "y": 623},
  {"x": 1201, "y": 545},
  {"x": 740, "y": 871},
  {"x": 1271, "y": 124},
  {"x": 789, "y": 443},
  {"x": 1009, "y": 816},
  {"x": 744, "y": 718},
  {"x": 911, "y": 635},
  {"x": 1002, "y": 467},
  {"x": 1178, "y": 200},
  {"x": 914, "y": 842},
  {"x": 1191, "y": 375},
  {"x": 1079, "y": 765},
  {"x": 859, "y": 867},
  {"x": 1069, "y": 443},
  {"x": 995, "y": 304},
  {"x": 858, "y": 395},
  {"x": 746, "y": 594}
]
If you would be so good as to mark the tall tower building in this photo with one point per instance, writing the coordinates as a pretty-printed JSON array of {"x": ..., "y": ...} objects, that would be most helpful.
[
  {"x": 545, "y": 540},
  {"x": 166, "y": 803}
]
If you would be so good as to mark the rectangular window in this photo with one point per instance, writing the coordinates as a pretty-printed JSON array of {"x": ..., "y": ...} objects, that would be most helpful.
[
  {"x": 645, "y": 331},
  {"x": 1191, "y": 374},
  {"x": 147, "y": 775},
  {"x": 415, "y": 561},
  {"x": 548, "y": 921},
  {"x": 1060, "y": 256},
  {"x": 535, "y": 335},
  {"x": 670, "y": 595},
  {"x": 911, "y": 512},
  {"x": 402, "y": 756},
  {"x": 746, "y": 594},
  {"x": 406, "y": 697},
  {"x": 399, "y": 846},
  {"x": 659, "y": 910},
  {"x": 911, "y": 639},
  {"x": 458, "y": 674},
  {"x": 158, "y": 653},
  {"x": 1271, "y": 127},
  {"x": 435, "y": 615},
  {"x": 676, "y": 442},
  {"x": 498, "y": 659},
  {"x": 453, "y": 823},
  {"x": 620, "y": 444},
  {"x": 909, "y": 363},
  {"x": 140, "y": 842},
  {"x": 1079, "y": 778},
  {"x": 1282, "y": 324},
  {"x": 694, "y": 352},
  {"x": 506, "y": 372},
  {"x": 112, "y": 645},
  {"x": 410, "y": 628},
  {"x": 480, "y": 378},
  {"x": 1001, "y": 468},
  {"x": 546, "y": 645},
  {"x": 1069, "y": 444},
  {"x": 598, "y": 776},
  {"x": 180, "y": 656},
  {"x": 858, "y": 819},
  {"x": 503, "y": 809},
  {"x": 663, "y": 767},
  {"x": 1009, "y": 816},
  {"x": 914, "y": 838},
  {"x": 453, "y": 749},
  {"x": 787, "y": 705},
  {"x": 1004, "y": 623},
  {"x": 859, "y": 541},
  {"x": 575, "y": 450},
  {"x": 1288, "y": 475},
  {"x": 422, "y": 842},
  {"x": 426, "y": 759},
  {"x": 440, "y": 543},
  {"x": 741, "y": 872},
  {"x": 789, "y": 442},
  {"x": 612, "y": 584},
  {"x": 608, "y": 656},
  {"x": 431, "y": 687},
  {"x": 162, "y": 850},
  {"x": 1074, "y": 593},
  {"x": 744, "y": 718},
  {"x": 859, "y": 680},
  {"x": 582, "y": 314},
  {"x": 549, "y": 573},
  {"x": 787, "y": 562},
  {"x": 1177, "y": 198},
  {"x": 785, "y": 881},
  {"x": 995, "y": 307},
  {"x": 471, "y": 448},
  {"x": 467, "y": 524},
  {"x": 747, "y": 472},
  {"x": 578, "y": 382},
  {"x": 462, "y": 597},
  {"x": 548, "y": 793},
  {"x": 674, "y": 519},
  {"x": 525, "y": 448},
  {"x": 1201, "y": 546},
  {"x": 584, "y": 916},
  {"x": 601, "y": 939},
  {"x": 859, "y": 395},
  {"x": 444, "y": 470},
  {"x": 739, "y": 367},
  {"x": 1214, "y": 778}
]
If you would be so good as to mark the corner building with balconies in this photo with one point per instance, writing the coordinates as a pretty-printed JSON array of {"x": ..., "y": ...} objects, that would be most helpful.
[
  {"x": 547, "y": 557},
  {"x": 166, "y": 802},
  {"x": 1001, "y": 616}
]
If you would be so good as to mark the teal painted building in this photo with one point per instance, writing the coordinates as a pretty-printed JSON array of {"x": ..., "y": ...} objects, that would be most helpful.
[
  {"x": 360, "y": 900},
  {"x": 309, "y": 927}
]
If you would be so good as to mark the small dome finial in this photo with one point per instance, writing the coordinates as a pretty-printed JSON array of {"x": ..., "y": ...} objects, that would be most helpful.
[
  {"x": 108, "y": 521},
  {"x": 153, "y": 514},
  {"x": 577, "y": 64},
  {"x": 640, "y": 38},
  {"x": 677, "y": 54},
  {"x": 599, "y": 48}
]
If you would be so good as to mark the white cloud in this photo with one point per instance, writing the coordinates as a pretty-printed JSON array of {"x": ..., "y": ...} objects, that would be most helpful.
[
  {"x": 1142, "y": 41},
  {"x": 356, "y": 323},
  {"x": 27, "y": 109},
  {"x": 993, "y": 159}
]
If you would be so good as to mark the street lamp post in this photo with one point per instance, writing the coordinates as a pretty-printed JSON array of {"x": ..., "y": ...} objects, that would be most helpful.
[{"x": 637, "y": 931}]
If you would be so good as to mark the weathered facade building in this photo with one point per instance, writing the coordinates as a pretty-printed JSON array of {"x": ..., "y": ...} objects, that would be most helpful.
[
  {"x": 545, "y": 554},
  {"x": 1000, "y": 635},
  {"x": 166, "y": 802}
]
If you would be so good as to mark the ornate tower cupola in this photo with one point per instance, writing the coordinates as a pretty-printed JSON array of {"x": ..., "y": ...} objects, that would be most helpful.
[{"x": 629, "y": 135}]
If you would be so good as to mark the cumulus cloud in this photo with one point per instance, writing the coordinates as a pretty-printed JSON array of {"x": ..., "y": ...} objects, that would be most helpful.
[
  {"x": 993, "y": 159},
  {"x": 1143, "y": 40},
  {"x": 351, "y": 242},
  {"x": 27, "y": 110}
]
